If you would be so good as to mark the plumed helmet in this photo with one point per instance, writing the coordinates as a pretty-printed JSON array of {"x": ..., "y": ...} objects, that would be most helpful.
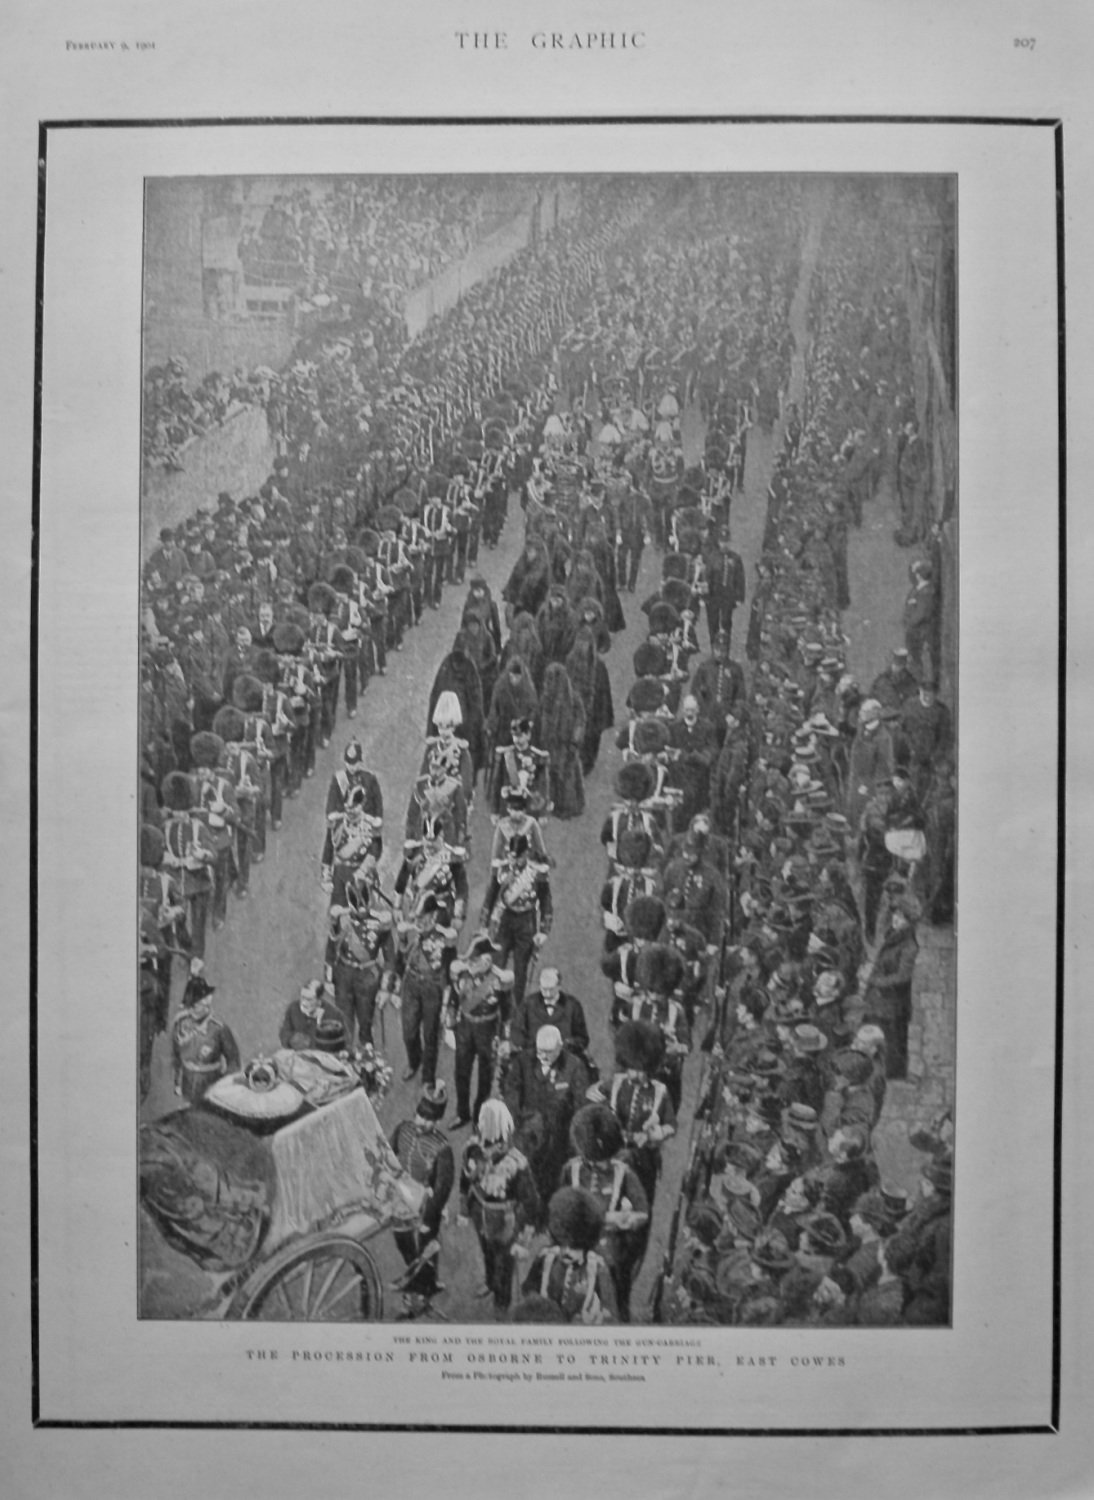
[
  {"x": 634, "y": 782},
  {"x": 288, "y": 639},
  {"x": 322, "y": 599},
  {"x": 495, "y": 1123},
  {"x": 663, "y": 619},
  {"x": 575, "y": 1219},
  {"x": 177, "y": 791},
  {"x": 674, "y": 565},
  {"x": 595, "y": 1133},
  {"x": 152, "y": 846},
  {"x": 230, "y": 724},
  {"x": 206, "y": 749},
  {"x": 644, "y": 918},
  {"x": 639, "y": 1045},
  {"x": 447, "y": 710},
  {"x": 342, "y": 579},
  {"x": 647, "y": 695},
  {"x": 660, "y": 969},
  {"x": 248, "y": 694},
  {"x": 651, "y": 736}
]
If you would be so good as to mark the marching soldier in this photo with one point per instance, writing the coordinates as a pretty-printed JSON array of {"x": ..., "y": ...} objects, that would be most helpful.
[
  {"x": 215, "y": 802},
  {"x": 517, "y": 911},
  {"x": 640, "y": 1102},
  {"x": 368, "y": 805},
  {"x": 425, "y": 949},
  {"x": 478, "y": 1013},
  {"x": 433, "y": 868},
  {"x": 599, "y": 1166},
  {"x": 360, "y": 956}
]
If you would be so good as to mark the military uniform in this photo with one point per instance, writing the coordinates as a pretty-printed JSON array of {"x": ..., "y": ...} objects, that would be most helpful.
[{"x": 201, "y": 1052}]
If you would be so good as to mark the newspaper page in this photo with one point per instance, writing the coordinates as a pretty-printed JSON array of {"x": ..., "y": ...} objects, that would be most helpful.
[{"x": 535, "y": 606}]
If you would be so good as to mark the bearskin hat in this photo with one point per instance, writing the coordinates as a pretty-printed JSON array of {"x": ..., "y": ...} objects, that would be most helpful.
[
  {"x": 299, "y": 614},
  {"x": 575, "y": 1219},
  {"x": 640, "y": 1046},
  {"x": 648, "y": 660},
  {"x": 459, "y": 467},
  {"x": 322, "y": 599},
  {"x": 390, "y": 518},
  {"x": 651, "y": 736},
  {"x": 177, "y": 791},
  {"x": 634, "y": 782},
  {"x": 436, "y": 484},
  {"x": 687, "y": 496},
  {"x": 674, "y": 565},
  {"x": 663, "y": 619},
  {"x": 595, "y": 1133},
  {"x": 634, "y": 849},
  {"x": 473, "y": 449},
  {"x": 230, "y": 724},
  {"x": 647, "y": 695},
  {"x": 265, "y": 670},
  {"x": 368, "y": 541},
  {"x": 343, "y": 579},
  {"x": 288, "y": 639},
  {"x": 247, "y": 691},
  {"x": 679, "y": 594},
  {"x": 659, "y": 969},
  {"x": 406, "y": 500},
  {"x": 206, "y": 749},
  {"x": 152, "y": 846},
  {"x": 645, "y": 917},
  {"x": 690, "y": 542},
  {"x": 356, "y": 559}
]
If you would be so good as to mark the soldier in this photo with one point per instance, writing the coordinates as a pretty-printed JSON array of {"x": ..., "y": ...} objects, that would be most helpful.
[
  {"x": 216, "y": 803},
  {"x": 239, "y": 762},
  {"x": 432, "y": 867},
  {"x": 516, "y": 820},
  {"x": 640, "y": 1102},
  {"x": 369, "y": 804},
  {"x": 424, "y": 952},
  {"x": 426, "y": 1155},
  {"x": 517, "y": 911},
  {"x": 520, "y": 764},
  {"x": 203, "y": 1048},
  {"x": 599, "y": 1166},
  {"x": 724, "y": 574},
  {"x": 325, "y": 648},
  {"x": 351, "y": 626},
  {"x": 719, "y": 684},
  {"x": 701, "y": 890},
  {"x": 438, "y": 795},
  {"x": 360, "y": 956},
  {"x": 478, "y": 1013},
  {"x": 498, "y": 1194},
  {"x": 570, "y": 1272},
  {"x": 190, "y": 853}
]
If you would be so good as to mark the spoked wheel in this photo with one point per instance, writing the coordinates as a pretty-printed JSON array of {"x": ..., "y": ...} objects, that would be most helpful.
[{"x": 323, "y": 1279}]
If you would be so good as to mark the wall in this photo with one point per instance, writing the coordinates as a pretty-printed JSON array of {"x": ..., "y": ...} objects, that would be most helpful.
[{"x": 237, "y": 457}]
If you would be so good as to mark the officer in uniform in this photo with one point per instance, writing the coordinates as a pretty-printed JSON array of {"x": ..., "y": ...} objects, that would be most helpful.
[
  {"x": 478, "y": 1013},
  {"x": 203, "y": 1048},
  {"x": 369, "y": 802},
  {"x": 190, "y": 853},
  {"x": 599, "y": 1166},
  {"x": 424, "y": 952},
  {"x": 360, "y": 957},
  {"x": 425, "y": 1154},
  {"x": 517, "y": 911}
]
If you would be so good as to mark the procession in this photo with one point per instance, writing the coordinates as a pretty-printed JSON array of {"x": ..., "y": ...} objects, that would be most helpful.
[{"x": 547, "y": 851}]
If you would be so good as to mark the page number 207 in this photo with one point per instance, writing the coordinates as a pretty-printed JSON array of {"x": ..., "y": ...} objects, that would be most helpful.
[{"x": 1028, "y": 42}]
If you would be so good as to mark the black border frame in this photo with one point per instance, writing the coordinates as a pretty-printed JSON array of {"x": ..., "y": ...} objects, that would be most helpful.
[{"x": 1053, "y": 123}]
